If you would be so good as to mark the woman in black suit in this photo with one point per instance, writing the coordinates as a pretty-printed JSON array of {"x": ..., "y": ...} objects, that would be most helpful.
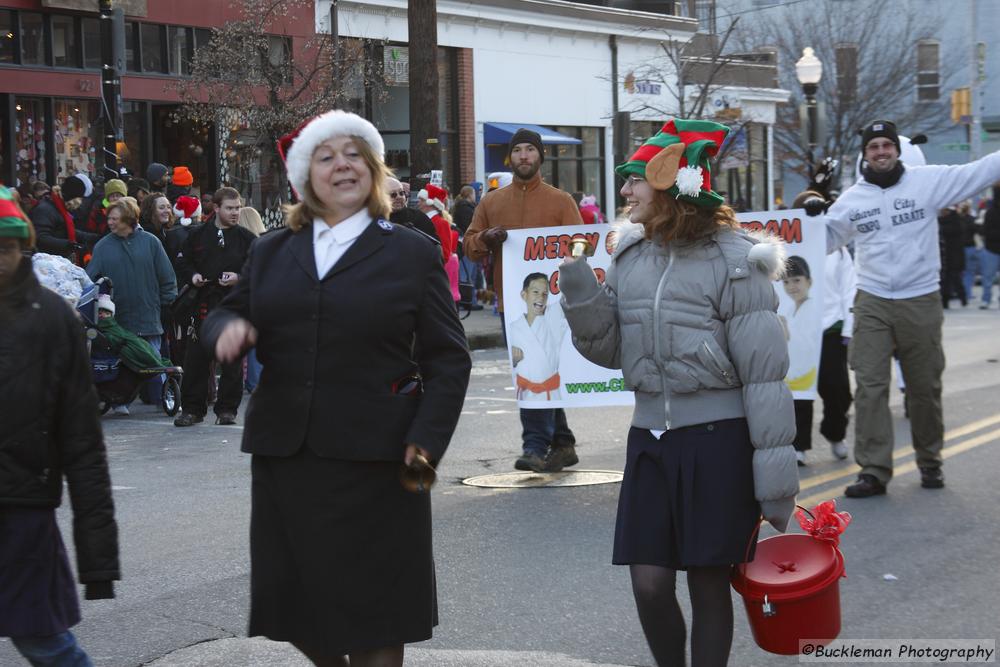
[{"x": 365, "y": 366}]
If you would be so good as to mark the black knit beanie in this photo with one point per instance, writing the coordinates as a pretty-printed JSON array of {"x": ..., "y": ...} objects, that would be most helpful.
[
  {"x": 880, "y": 128},
  {"x": 72, "y": 188},
  {"x": 525, "y": 136}
]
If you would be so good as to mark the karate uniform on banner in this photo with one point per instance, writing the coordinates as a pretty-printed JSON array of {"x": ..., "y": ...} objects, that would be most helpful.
[
  {"x": 803, "y": 344},
  {"x": 537, "y": 374}
]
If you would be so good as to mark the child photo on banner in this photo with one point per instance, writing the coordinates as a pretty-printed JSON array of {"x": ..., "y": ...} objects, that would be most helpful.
[
  {"x": 547, "y": 370},
  {"x": 800, "y": 292}
]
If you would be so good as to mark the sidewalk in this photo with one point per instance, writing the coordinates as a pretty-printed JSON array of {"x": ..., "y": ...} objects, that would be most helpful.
[{"x": 482, "y": 328}]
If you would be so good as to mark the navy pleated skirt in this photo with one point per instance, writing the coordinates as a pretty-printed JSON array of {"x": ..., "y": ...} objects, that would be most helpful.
[
  {"x": 341, "y": 556},
  {"x": 687, "y": 498},
  {"x": 37, "y": 592}
]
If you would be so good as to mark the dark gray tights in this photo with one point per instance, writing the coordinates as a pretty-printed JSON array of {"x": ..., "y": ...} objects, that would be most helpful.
[{"x": 663, "y": 624}]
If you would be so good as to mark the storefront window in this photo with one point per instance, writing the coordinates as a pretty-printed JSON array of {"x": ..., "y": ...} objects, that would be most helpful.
[
  {"x": 76, "y": 138},
  {"x": 32, "y": 39},
  {"x": 29, "y": 135},
  {"x": 179, "y": 50},
  {"x": 151, "y": 38},
  {"x": 578, "y": 167},
  {"x": 181, "y": 142},
  {"x": 134, "y": 115},
  {"x": 65, "y": 50},
  {"x": 6, "y": 36},
  {"x": 131, "y": 52},
  {"x": 92, "y": 43}
]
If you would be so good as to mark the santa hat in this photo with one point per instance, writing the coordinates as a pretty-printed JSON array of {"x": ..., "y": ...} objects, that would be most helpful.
[
  {"x": 297, "y": 148},
  {"x": 186, "y": 209},
  {"x": 434, "y": 196},
  {"x": 675, "y": 160},
  {"x": 104, "y": 302}
]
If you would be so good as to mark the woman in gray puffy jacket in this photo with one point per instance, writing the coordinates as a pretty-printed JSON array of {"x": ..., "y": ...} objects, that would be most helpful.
[{"x": 688, "y": 312}]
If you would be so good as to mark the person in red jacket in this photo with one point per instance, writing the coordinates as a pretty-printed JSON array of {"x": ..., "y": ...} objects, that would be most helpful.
[{"x": 433, "y": 201}]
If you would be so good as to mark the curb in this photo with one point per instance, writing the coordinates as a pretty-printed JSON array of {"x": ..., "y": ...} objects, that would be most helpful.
[{"x": 484, "y": 341}]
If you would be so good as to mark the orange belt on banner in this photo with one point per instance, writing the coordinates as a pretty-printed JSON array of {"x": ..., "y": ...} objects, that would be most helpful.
[{"x": 549, "y": 386}]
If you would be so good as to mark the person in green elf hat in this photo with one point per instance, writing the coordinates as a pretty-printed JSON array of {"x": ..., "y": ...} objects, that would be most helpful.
[
  {"x": 49, "y": 432},
  {"x": 688, "y": 313}
]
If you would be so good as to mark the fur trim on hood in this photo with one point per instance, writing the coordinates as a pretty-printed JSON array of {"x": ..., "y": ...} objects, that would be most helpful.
[{"x": 768, "y": 254}]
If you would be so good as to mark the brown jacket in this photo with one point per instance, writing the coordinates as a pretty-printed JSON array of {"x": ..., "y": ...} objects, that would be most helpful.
[{"x": 520, "y": 205}]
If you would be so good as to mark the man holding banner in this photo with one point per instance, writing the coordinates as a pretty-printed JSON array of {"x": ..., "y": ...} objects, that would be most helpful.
[{"x": 527, "y": 202}]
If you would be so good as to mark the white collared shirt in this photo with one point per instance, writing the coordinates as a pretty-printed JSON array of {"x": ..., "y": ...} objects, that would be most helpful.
[{"x": 330, "y": 243}]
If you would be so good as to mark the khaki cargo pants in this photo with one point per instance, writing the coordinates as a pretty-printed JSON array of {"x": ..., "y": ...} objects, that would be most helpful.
[{"x": 912, "y": 329}]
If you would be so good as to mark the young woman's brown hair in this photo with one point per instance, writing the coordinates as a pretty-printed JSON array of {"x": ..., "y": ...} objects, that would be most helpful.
[
  {"x": 148, "y": 217},
  {"x": 302, "y": 214},
  {"x": 677, "y": 220}
]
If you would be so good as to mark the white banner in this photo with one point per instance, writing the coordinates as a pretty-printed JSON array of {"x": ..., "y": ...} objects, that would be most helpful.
[
  {"x": 547, "y": 370},
  {"x": 801, "y": 297}
]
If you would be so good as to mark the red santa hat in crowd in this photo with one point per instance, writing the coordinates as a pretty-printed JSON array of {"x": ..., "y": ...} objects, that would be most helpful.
[
  {"x": 434, "y": 196},
  {"x": 186, "y": 209},
  {"x": 297, "y": 148}
]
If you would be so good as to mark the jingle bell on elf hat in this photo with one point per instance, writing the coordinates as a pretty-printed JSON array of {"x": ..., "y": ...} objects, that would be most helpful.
[
  {"x": 676, "y": 160},
  {"x": 297, "y": 147}
]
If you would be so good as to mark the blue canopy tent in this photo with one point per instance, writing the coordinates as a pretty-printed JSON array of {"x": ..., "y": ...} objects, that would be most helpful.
[{"x": 496, "y": 137}]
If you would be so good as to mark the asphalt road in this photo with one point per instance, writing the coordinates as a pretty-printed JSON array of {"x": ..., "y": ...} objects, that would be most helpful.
[{"x": 524, "y": 576}]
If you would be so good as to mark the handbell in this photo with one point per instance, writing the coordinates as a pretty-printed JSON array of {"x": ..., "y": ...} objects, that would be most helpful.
[
  {"x": 419, "y": 476},
  {"x": 581, "y": 246}
]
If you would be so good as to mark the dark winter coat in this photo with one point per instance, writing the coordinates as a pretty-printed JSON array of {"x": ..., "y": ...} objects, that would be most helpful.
[
  {"x": 50, "y": 226},
  {"x": 462, "y": 214},
  {"x": 952, "y": 242},
  {"x": 173, "y": 241},
  {"x": 202, "y": 253},
  {"x": 335, "y": 347},
  {"x": 49, "y": 424},
  {"x": 991, "y": 228}
]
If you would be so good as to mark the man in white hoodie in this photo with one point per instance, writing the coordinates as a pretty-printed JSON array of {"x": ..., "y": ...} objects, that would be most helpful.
[{"x": 890, "y": 214}]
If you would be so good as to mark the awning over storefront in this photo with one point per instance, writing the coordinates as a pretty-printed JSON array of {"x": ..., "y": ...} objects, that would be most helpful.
[{"x": 500, "y": 134}]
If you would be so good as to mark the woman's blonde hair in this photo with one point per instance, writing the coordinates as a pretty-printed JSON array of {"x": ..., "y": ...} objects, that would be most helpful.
[
  {"x": 301, "y": 214},
  {"x": 250, "y": 219},
  {"x": 677, "y": 220},
  {"x": 128, "y": 208}
]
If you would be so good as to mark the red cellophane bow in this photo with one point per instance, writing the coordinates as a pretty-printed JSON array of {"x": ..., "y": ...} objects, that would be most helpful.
[{"x": 824, "y": 522}]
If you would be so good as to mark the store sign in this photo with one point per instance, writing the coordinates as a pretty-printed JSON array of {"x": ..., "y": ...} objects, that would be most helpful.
[
  {"x": 635, "y": 86},
  {"x": 129, "y": 7},
  {"x": 396, "y": 63}
]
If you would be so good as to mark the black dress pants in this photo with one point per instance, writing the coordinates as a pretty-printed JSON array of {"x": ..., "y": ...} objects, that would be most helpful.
[
  {"x": 194, "y": 387},
  {"x": 834, "y": 386}
]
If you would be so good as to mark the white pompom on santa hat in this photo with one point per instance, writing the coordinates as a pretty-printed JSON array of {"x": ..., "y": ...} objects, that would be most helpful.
[
  {"x": 297, "y": 148},
  {"x": 187, "y": 208},
  {"x": 434, "y": 196}
]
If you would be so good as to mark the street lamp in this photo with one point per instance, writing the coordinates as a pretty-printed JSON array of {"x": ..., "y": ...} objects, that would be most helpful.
[{"x": 809, "y": 70}]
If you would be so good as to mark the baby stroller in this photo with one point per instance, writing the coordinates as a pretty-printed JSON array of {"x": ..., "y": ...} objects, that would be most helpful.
[{"x": 116, "y": 383}]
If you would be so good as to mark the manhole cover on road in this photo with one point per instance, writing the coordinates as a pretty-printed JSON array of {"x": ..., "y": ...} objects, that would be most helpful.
[{"x": 525, "y": 480}]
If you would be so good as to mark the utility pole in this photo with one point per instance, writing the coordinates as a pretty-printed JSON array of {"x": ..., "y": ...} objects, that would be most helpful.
[
  {"x": 112, "y": 23},
  {"x": 425, "y": 151},
  {"x": 975, "y": 131}
]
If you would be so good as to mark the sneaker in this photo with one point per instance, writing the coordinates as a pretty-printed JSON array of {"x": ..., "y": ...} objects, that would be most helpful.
[
  {"x": 931, "y": 478},
  {"x": 839, "y": 449},
  {"x": 561, "y": 457},
  {"x": 530, "y": 461},
  {"x": 120, "y": 410},
  {"x": 188, "y": 419},
  {"x": 984, "y": 306},
  {"x": 800, "y": 458},
  {"x": 225, "y": 419},
  {"x": 865, "y": 487}
]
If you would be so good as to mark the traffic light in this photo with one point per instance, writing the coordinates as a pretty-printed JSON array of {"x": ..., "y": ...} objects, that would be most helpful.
[{"x": 961, "y": 106}]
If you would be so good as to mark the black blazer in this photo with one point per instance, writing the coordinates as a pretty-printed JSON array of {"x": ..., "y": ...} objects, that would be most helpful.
[{"x": 333, "y": 350}]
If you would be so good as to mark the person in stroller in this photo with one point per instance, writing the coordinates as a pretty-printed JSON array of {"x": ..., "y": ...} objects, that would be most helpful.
[
  {"x": 121, "y": 361},
  {"x": 136, "y": 352}
]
